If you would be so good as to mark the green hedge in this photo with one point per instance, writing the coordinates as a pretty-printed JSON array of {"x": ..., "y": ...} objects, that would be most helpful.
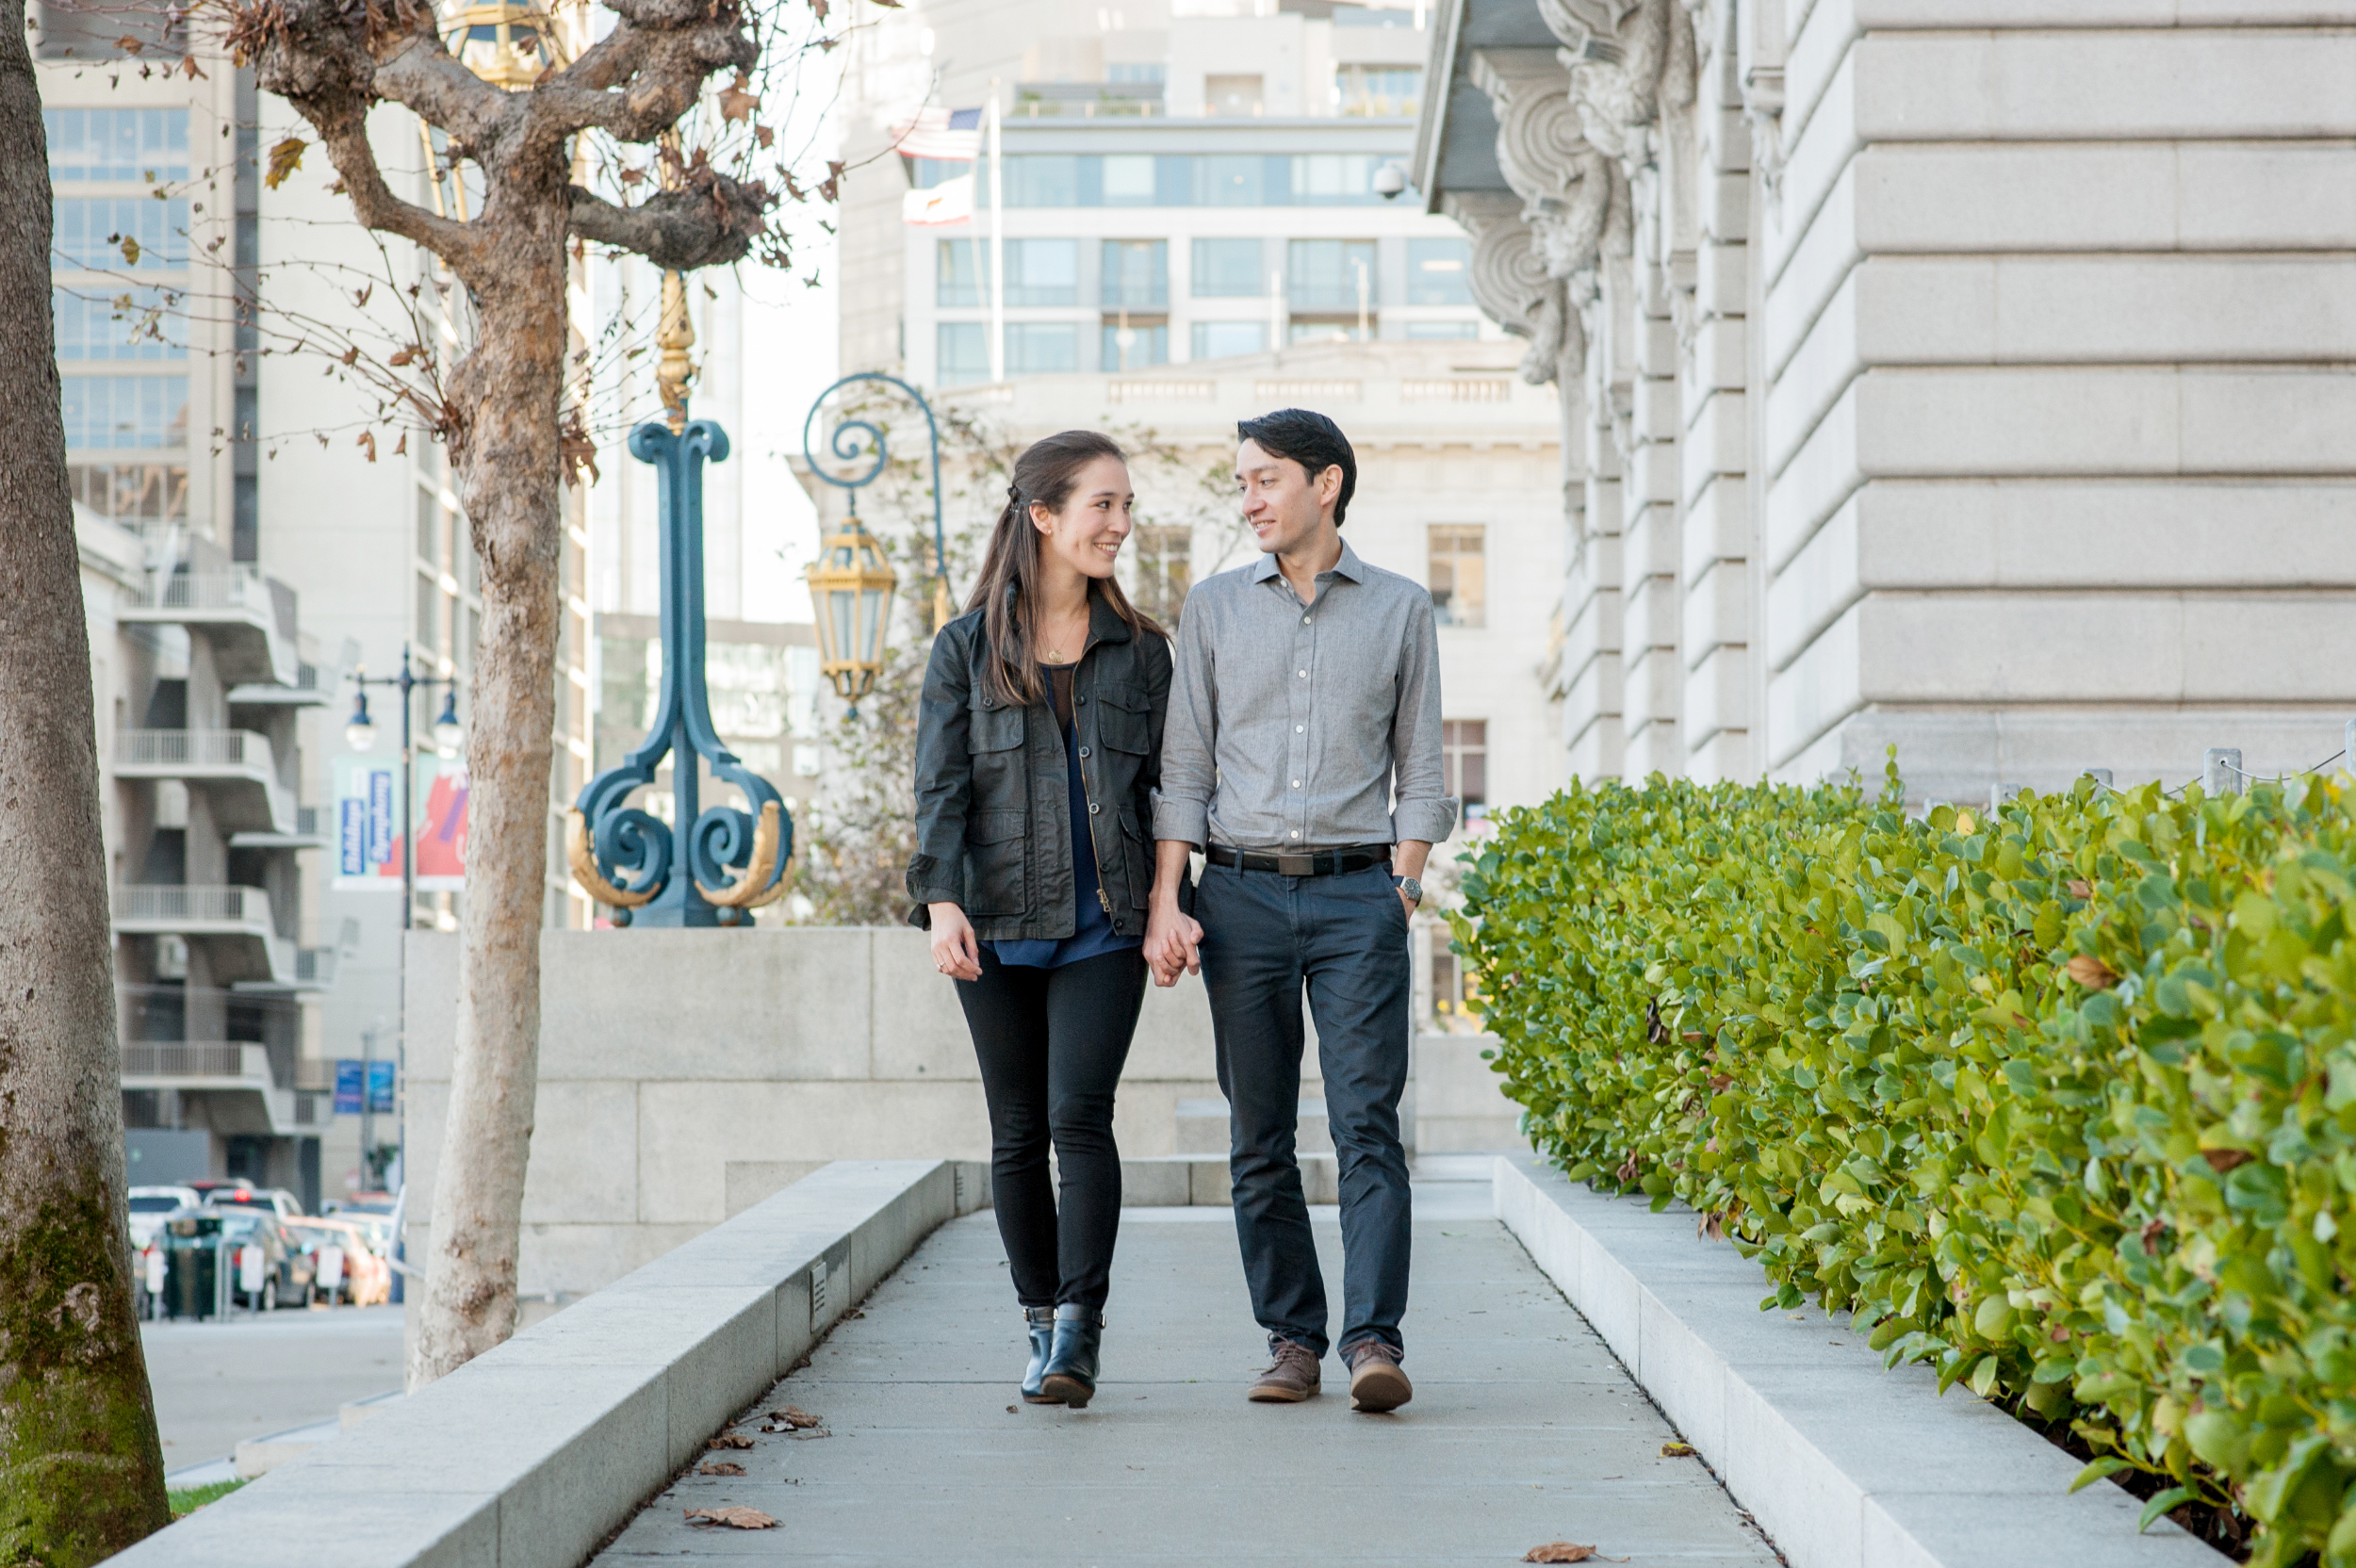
[{"x": 2060, "y": 1100}]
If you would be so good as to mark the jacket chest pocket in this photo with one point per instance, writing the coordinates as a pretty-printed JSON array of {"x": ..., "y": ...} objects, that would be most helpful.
[
  {"x": 996, "y": 821},
  {"x": 1123, "y": 723}
]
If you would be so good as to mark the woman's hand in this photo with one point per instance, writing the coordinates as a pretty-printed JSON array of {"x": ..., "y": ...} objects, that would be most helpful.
[
  {"x": 955, "y": 953},
  {"x": 1172, "y": 940}
]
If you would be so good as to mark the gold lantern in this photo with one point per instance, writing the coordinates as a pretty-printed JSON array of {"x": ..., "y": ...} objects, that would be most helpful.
[
  {"x": 506, "y": 44},
  {"x": 850, "y": 590}
]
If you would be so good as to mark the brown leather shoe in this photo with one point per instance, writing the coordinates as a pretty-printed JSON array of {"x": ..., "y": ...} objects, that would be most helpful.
[
  {"x": 1293, "y": 1379},
  {"x": 1376, "y": 1384}
]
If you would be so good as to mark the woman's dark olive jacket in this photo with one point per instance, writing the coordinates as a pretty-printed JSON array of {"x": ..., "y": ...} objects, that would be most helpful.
[{"x": 993, "y": 816}]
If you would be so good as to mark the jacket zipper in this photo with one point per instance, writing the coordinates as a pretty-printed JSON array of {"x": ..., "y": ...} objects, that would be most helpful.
[{"x": 1095, "y": 848}]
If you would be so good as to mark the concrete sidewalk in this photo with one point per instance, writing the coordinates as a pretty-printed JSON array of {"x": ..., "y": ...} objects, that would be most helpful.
[{"x": 1524, "y": 1430}]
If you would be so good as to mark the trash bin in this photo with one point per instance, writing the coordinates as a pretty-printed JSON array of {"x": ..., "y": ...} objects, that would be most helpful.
[{"x": 193, "y": 1266}]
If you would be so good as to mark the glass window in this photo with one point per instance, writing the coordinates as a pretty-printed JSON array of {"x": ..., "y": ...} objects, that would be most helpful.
[
  {"x": 1330, "y": 274},
  {"x": 117, "y": 145},
  {"x": 429, "y": 616},
  {"x": 1231, "y": 180},
  {"x": 102, "y": 412},
  {"x": 1439, "y": 273},
  {"x": 1431, "y": 330},
  {"x": 132, "y": 493},
  {"x": 1042, "y": 271},
  {"x": 429, "y": 527},
  {"x": 146, "y": 323},
  {"x": 1455, "y": 987},
  {"x": 1328, "y": 329},
  {"x": 1155, "y": 74},
  {"x": 1228, "y": 270},
  {"x": 1334, "y": 179},
  {"x": 1036, "y": 180},
  {"x": 1220, "y": 339},
  {"x": 1164, "y": 553},
  {"x": 1464, "y": 756},
  {"x": 1458, "y": 574},
  {"x": 1374, "y": 16},
  {"x": 964, "y": 352},
  {"x": 924, "y": 174},
  {"x": 1043, "y": 348},
  {"x": 108, "y": 232},
  {"x": 957, "y": 273},
  {"x": 1381, "y": 91},
  {"x": 1135, "y": 346},
  {"x": 1136, "y": 273},
  {"x": 1128, "y": 180}
]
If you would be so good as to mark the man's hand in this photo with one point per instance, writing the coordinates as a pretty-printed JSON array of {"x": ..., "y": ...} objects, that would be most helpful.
[
  {"x": 955, "y": 953},
  {"x": 1172, "y": 937},
  {"x": 1407, "y": 859}
]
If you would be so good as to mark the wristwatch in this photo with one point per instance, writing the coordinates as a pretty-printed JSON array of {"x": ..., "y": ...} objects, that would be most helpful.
[{"x": 1408, "y": 885}]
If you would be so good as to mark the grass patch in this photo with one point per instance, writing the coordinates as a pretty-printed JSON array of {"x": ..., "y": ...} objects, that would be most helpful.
[{"x": 187, "y": 1499}]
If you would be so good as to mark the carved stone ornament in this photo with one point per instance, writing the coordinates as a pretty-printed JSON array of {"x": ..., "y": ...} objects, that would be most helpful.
[
  {"x": 1629, "y": 59},
  {"x": 1512, "y": 287},
  {"x": 1575, "y": 199}
]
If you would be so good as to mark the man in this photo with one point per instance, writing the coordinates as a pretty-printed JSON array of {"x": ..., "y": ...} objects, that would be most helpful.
[{"x": 1303, "y": 757}]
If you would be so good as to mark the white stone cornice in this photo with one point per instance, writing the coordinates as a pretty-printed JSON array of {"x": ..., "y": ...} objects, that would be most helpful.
[
  {"x": 1511, "y": 285},
  {"x": 1575, "y": 199}
]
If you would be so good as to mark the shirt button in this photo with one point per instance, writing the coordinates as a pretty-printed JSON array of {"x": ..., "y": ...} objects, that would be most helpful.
[
  {"x": 1299, "y": 729},
  {"x": 1306, "y": 619},
  {"x": 1296, "y": 783},
  {"x": 1305, "y": 674},
  {"x": 1296, "y": 833}
]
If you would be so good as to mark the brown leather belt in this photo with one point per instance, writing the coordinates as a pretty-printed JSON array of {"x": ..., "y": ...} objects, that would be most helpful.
[{"x": 1306, "y": 862}]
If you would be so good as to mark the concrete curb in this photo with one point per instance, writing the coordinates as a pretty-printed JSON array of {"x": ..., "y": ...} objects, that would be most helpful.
[
  {"x": 529, "y": 1454},
  {"x": 1843, "y": 1464}
]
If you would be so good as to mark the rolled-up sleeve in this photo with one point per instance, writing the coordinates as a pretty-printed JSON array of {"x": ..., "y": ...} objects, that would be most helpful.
[
  {"x": 945, "y": 781},
  {"x": 1422, "y": 809},
  {"x": 1181, "y": 801}
]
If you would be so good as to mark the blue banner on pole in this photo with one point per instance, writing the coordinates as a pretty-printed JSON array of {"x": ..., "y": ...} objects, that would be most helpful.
[
  {"x": 348, "y": 1088},
  {"x": 381, "y": 1088}
]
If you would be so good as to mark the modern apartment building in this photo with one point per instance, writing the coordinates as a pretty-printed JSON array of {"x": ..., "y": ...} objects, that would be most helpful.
[{"x": 249, "y": 545}]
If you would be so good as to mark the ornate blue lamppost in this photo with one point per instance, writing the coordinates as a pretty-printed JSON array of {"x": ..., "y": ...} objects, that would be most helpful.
[
  {"x": 850, "y": 583},
  {"x": 607, "y": 839}
]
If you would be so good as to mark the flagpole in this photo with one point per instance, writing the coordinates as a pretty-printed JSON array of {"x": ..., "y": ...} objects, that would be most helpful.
[{"x": 997, "y": 250}]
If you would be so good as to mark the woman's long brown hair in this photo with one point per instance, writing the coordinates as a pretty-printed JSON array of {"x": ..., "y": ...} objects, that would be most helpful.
[{"x": 1045, "y": 475}]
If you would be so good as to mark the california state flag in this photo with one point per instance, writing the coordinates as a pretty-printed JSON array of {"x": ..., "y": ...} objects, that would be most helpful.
[{"x": 950, "y": 201}]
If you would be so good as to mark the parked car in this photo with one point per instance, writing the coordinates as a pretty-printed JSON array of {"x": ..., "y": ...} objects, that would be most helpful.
[
  {"x": 152, "y": 1206},
  {"x": 364, "y": 1202},
  {"x": 278, "y": 1200},
  {"x": 347, "y": 1264},
  {"x": 289, "y": 1269}
]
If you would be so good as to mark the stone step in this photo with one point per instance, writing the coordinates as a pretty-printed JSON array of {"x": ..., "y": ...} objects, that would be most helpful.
[
  {"x": 1202, "y": 1128},
  {"x": 1177, "y": 1181}
]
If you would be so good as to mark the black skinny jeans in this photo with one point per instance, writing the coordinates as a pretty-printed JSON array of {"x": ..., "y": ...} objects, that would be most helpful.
[{"x": 1052, "y": 1043}]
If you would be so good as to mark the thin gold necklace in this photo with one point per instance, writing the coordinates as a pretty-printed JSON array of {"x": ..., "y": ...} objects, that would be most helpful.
[{"x": 1054, "y": 651}]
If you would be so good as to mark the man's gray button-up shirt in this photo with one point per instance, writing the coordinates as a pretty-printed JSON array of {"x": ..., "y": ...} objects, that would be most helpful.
[{"x": 1299, "y": 726}]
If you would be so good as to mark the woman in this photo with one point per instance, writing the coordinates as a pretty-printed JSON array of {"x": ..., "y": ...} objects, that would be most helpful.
[{"x": 1038, "y": 742}]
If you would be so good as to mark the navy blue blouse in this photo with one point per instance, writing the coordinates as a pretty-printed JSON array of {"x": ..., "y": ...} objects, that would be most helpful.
[{"x": 1093, "y": 930}]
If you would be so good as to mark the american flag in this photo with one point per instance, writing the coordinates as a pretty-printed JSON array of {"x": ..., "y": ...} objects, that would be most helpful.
[{"x": 951, "y": 136}]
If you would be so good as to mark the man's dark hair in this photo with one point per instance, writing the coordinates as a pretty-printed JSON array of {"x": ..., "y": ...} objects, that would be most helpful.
[{"x": 1312, "y": 440}]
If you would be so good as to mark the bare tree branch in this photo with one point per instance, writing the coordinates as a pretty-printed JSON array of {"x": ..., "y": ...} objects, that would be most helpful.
[{"x": 710, "y": 224}]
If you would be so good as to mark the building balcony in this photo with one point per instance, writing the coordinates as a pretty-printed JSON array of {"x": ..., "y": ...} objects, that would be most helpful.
[
  {"x": 309, "y": 833},
  {"x": 234, "y": 1071},
  {"x": 250, "y": 622},
  {"x": 314, "y": 971},
  {"x": 234, "y": 767},
  {"x": 305, "y": 691},
  {"x": 234, "y": 923}
]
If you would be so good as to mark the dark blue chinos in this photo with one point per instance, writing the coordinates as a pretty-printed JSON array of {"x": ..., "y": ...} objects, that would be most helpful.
[{"x": 1265, "y": 937}]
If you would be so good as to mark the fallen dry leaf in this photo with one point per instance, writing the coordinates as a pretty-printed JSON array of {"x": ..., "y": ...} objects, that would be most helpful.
[
  {"x": 2223, "y": 1160},
  {"x": 2092, "y": 972},
  {"x": 2081, "y": 888},
  {"x": 1566, "y": 1551},
  {"x": 1677, "y": 1450},
  {"x": 737, "y": 1517},
  {"x": 721, "y": 1467},
  {"x": 794, "y": 1416},
  {"x": 731, "y": 1439}
]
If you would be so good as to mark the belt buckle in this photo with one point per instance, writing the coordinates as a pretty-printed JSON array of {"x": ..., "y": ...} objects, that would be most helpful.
[{"x": 1296, "y": 865}]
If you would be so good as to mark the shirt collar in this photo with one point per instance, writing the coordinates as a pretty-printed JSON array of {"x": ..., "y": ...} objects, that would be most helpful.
[{"x": 1348, "y": 566}]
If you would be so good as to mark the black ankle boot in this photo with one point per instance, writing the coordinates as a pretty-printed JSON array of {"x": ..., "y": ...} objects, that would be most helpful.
[
  {"x": 1071, "y": 1375},
  {"x": 1042, "y": 1322}
]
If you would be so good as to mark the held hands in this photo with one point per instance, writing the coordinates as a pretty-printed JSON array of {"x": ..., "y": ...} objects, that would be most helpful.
[
  {"x": 955, "y": 953},
  {"x": 1172, "y": 940}
]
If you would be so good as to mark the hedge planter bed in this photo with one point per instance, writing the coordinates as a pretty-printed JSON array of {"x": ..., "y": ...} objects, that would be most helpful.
[{"x": 2058, "y": 1099}]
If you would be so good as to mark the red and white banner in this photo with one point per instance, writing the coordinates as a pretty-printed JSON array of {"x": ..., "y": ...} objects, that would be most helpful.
[{"x": 950, "y": 201}]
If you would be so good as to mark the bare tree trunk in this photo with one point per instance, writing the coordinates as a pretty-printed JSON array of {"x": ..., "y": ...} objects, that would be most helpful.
[
  {"x": 81, "y": 1467},
  {"x": 505, "y": 397}
]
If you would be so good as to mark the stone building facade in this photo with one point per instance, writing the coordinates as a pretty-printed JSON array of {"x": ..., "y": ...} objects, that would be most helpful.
[{"x": 1970, "y": 376}]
